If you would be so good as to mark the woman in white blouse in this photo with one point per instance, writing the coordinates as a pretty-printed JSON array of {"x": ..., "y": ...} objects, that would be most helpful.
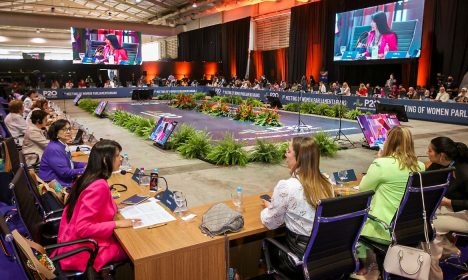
[{"x": 294, "y": 200}]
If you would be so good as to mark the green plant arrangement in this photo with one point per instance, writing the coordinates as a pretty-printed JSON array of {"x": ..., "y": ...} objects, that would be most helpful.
[
  {"x": 199, "y": 96},
  {"x": 244, "y": 112},
  {"x": 205, "y": 106},
  {"x": 219, "y": 109},
  {"x": 88, "y": 104},
  {"x": 232, "y": 99},
  {"x": 254, "y": 102},
  {"x": 181, "y": 135},
  {"x": 184, "y": 101},
  {"x": 283, "y": 147},
  {"x": 291, "y": 107},
  {"x": 166, "y": 96},
  {"x": 228, "y": 152},
  {"x": 145, "y": 127},
  {"x": 338, "y": 110},
  {"x": 198, "y": 145},
  {"x": 266, "y": 152},
  {"x": 268, "y": 117},
  {"x": 308, "y": 108},
  {"x": 326, "y": 144},
  {"x": 352, "y": 114},
  {"x": 119, "y": 117},
  {"x": 324, "y": 110},
  {"x": 215, "y": 98}
]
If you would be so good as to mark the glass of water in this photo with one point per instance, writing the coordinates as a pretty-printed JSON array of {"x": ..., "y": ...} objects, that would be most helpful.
[
  {"x": 342, "y": 50},
  {"x": 342, "y": 175},
  {"x": 180, "y": 201}
]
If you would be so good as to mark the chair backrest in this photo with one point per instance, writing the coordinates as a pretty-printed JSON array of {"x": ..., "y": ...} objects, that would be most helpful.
[
  {"x": 5, "y": 132},
  {"x": 12, "y": 157},
  {"x": 405, "y": 33},
  {"x": 408, "y": 227},
  {"x": 11, "y": 259},
  {"x": 336, "y": 229},
  {"x": 132, "y": 52},
  {"x": 29, "y": 208},
  {"x": 357, "y": 31}
]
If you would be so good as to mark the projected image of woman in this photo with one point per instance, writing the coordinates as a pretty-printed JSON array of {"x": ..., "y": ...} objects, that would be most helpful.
[
  {"x": 380, "y": 36},
  {"x": 113, "y": 53}
]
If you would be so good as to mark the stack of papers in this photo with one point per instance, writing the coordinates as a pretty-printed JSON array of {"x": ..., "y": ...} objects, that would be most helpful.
[{"x": 150, "y": 213}]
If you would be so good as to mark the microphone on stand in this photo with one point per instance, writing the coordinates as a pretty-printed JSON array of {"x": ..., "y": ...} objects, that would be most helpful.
[
  {"x": 123, "y": 172},
  {"x": 361, "y": 38}
]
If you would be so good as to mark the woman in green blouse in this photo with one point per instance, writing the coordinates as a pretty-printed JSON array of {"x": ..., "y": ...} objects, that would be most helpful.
[{"x": 387, "y": 177}]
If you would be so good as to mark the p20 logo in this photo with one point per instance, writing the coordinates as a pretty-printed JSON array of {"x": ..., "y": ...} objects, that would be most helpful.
[{"x": 50, "y": 93}]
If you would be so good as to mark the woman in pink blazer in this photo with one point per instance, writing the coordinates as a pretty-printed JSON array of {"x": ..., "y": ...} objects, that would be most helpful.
[
  {"x": 90, "y": 211},
  {"x": 381, "y": 35}
]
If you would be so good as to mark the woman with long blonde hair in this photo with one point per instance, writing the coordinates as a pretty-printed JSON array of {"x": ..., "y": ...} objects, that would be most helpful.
[
  {"x": 294, "y": 200},
  {"x": 387, "y": 177}
]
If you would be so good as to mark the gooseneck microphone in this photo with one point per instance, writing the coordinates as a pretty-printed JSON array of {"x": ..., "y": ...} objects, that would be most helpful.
[{"x": 123, "y": 172}]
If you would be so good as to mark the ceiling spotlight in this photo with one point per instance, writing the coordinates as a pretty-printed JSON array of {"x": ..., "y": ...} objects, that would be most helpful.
[
  {"x": 3, "y": 39},
  {"x": 137, "y": 1},
  {"x": 110, "y": 13},
  {"x": 194, "y": 5},
  {"x": 38, "y": 31},
  {"x": 52, "y": 9}
]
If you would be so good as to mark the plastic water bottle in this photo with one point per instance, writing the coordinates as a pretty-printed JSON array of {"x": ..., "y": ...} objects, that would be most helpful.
[
  {"x": 125, "y": 163},
  {"x": 141, "y": 174},
  {"x": 375, "y": 52},
  {"x": 386, "y": 49},
  {"x": 239, "y": 197}
]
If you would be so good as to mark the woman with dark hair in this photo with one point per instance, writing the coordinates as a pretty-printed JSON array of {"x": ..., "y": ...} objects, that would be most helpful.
[
  {"x": 56, "y": 162},
  {"x": 35, "y": 140},
  {"x": 380, "y": 36},
  {"x": 453, "y": 213},
  {"x": 113, "y": 52},
  {"x": 294, "y": 200},
  {"x": 42, "y": 105},
  {"x": 90, "y": 211}
]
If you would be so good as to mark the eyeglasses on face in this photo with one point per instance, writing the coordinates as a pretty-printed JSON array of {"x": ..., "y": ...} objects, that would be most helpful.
[{"x": 66, "y": 129}]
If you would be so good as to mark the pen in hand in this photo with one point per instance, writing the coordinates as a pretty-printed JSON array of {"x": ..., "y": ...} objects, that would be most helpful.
[{"x": 155, "y": 226}]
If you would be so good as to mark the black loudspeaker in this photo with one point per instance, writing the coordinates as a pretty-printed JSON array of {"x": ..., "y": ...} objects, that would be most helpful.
[
  {"x": 398, "y": 110},
  {"x": 212, "y": 93},
  {"x": 142, "y": 94},
  {"x": 274, "y": 102}
]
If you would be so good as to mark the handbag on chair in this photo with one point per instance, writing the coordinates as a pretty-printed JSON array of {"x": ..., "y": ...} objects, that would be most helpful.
[{"x": 409, "y": 262}]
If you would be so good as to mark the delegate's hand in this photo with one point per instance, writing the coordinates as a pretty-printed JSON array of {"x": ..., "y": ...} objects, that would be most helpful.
[
  {"x": 127, "y": 223},
  {"x": 266, "y": 204},
  {"x": 446, "y": 202}
]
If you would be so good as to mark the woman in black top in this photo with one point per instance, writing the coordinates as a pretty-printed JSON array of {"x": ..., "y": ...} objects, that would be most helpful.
[{"x": 453, "y": 213}]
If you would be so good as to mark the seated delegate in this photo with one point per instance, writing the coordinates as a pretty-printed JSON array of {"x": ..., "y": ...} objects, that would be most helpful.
[
  {"x": 56, "y": 162},
  {"x": 35, "y": 140},
  {"x": 14, "y": 121},
  {"x": 294, "y": 200},
  {"x": 453, "y": 213},
  {"x": 387, "y": 177},
  {"x": 90, "y": 211}
]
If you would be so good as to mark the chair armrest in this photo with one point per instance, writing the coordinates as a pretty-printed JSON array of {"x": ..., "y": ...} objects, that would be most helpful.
[
  {"x": 460, "y": 234},
  {"x": 74, "y": 242},
  {"x": 71, "y": 253},
  {"x": 33, "y": 154},
  {"x": 283, "y": 248},
  {"x": 48, "y": 214},
  {"x": 384, "y": 224}
]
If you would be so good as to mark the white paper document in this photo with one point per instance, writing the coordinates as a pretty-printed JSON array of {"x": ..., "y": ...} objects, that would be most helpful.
[{"x": 150, "y": 213}]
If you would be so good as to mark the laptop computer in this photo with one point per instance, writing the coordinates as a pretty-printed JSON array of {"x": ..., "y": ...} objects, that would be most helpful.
[{"x": 78, "y": 138}]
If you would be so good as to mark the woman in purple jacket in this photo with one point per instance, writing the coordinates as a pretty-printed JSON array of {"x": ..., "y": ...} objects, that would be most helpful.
[{"x": 56, "y": 162}]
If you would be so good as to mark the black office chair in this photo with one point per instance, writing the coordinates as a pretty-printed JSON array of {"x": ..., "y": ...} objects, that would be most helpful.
[
  {"x": 408, "y": 229},
  {"x": 19, "y": 261},
  {"x": 405, "y": 33},
  {"x": 42, "y": 225},
  {"x": 455, "y": 260},
  {"x": 12, "y": 157},
  {"x": 331, "y": 251},
  {"x": 132, "y": 52}
]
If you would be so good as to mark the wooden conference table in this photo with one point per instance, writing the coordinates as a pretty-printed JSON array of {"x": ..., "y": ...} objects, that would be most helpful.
[{"x": 180, "y": 251}]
